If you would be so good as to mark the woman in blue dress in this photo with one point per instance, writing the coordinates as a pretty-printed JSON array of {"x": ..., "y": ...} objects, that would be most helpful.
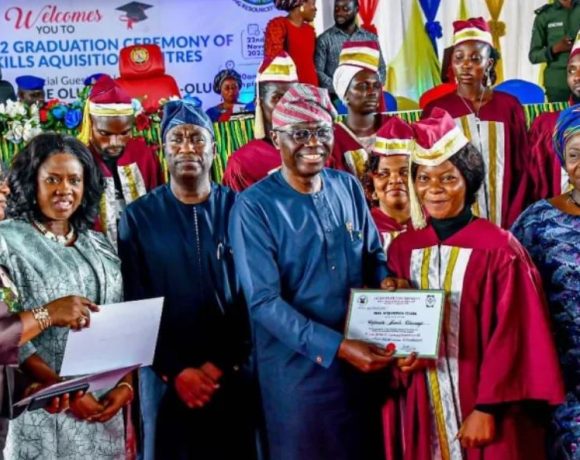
[{"x": 550, "y": 231}]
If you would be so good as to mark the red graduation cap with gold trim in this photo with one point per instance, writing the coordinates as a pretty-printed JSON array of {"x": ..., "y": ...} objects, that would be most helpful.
[
  {"x": 394, "y": 137},
  {"x": 363, "y": 54},
  {"x": 106, "y": 99},
  {"x": 471, "y": 29},
  {"x": 279, "y": 69},
  {"x": 437, "y": 139}
]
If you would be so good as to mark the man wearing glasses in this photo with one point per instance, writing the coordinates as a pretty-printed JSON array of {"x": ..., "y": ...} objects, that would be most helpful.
[{"x": 302, "y": 238}]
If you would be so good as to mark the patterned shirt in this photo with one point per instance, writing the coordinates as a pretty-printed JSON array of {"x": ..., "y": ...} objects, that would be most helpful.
[{"x": 328, "y": 47}]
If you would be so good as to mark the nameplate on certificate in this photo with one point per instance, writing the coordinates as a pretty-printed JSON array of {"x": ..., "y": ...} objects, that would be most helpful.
[{"x": 408, "y": 319}]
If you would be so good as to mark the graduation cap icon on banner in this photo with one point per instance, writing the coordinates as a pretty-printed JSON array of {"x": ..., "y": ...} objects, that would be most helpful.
[{"x": 134, "y": 12}]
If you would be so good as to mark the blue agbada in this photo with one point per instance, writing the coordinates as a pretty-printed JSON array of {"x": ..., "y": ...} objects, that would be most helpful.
[
  {"x": 298, "y": 255},
  {"x": 568, "y": 125},
  {"x": 182, "y": 252}
]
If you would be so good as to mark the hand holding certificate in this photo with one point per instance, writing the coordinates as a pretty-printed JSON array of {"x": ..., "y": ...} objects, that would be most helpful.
[{"x": 408, "y": 319}]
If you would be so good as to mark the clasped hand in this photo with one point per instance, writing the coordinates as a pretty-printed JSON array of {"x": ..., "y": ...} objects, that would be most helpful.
[
  {"x": 92, "y": 410},
  {"x": 196, "y": 386}
]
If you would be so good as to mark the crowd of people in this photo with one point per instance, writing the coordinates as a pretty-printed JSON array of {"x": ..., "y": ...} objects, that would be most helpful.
[{"x": 252, "y": 361}]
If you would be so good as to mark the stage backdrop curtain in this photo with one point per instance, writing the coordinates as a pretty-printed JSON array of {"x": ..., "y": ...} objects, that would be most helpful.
[
  {"x": 432, "y": 26},
  {"x": 463, "y": 13},
  {"x": 367, "y": 10},
  {"x": 415, "y": 68},
  {"x": 498, "y": 29}
]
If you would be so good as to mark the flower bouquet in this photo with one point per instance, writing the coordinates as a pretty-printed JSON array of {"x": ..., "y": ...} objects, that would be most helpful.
[{"x": 19, "y": 123}]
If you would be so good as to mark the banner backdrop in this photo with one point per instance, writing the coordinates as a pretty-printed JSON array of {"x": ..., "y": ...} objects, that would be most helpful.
[{"x": 64, "y": 41}]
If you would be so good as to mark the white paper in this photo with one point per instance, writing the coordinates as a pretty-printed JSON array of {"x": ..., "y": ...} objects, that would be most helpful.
[
  {"x": 120, "y": 335},
  {"x": 408, "y": 319},
  {"x": 100, "y": 381}
]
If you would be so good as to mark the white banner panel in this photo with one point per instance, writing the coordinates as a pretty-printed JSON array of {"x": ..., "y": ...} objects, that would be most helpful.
[{"x": 65, "y": 41}]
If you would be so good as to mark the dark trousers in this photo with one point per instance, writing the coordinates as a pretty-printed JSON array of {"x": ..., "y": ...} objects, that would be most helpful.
[{"x": 225, "y": 428}]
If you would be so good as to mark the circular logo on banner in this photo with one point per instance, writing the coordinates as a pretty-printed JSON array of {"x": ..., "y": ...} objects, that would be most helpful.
[
  {"x": 139, "y": 55},
  {"x": 256, "y": 6}
]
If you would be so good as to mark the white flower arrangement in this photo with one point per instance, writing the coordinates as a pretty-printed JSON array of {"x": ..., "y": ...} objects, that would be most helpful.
[{"x": 19, "y": 121}]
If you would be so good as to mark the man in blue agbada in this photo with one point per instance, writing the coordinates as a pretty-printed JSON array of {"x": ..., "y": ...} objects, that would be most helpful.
[
  {"x": 196, "y": 400},
  {"x": 302, "y": 238}
]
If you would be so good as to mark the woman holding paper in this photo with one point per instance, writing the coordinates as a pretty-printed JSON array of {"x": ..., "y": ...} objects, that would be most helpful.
[
  {"x": 49, "y": 254},
  {"x": 482, "y": 399}
]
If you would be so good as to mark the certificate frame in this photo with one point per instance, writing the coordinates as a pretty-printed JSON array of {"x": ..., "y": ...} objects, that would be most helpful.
[{"x": 434, "y": 298}]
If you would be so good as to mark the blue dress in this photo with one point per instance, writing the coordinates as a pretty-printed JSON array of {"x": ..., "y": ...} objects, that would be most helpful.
[
  {"x": 298, "y": 256},
  {"x": 552, "y": 238}
]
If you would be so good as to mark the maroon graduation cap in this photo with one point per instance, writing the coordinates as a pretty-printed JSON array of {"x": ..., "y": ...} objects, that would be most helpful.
[{"x": 134, "y": 12}]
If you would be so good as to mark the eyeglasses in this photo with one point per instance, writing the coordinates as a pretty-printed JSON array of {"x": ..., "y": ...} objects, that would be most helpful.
[{"x": 303, "y": 136}]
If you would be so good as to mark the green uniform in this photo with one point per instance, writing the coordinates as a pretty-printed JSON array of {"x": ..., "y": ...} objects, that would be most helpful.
[{"x": 552, "y": 23}]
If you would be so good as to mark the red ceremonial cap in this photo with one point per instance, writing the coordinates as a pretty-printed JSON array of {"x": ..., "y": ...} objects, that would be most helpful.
[
  {"x": 278, "y": 69},
  {"x": 437, "y": 138},
  {"x": 107, "y": 91},
  {"x": 471, "y": 29},
  {"x": 364, "y": 54},
  {"x": 394, "y": 137}
]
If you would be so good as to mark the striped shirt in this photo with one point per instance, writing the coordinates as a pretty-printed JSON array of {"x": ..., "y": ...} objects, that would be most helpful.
[{"x": 328, "y": 47}]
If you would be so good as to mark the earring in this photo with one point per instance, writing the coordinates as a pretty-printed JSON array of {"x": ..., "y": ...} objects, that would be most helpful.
[
  {"x": 374, "y": 196},
  {"x": 302, "y": 8}
]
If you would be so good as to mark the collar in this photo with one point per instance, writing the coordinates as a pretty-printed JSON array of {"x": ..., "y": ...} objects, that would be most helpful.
[{"x": 445, "y": 228}]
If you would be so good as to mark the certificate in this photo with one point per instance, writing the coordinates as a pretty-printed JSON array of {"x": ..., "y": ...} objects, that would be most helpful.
[
  {"x": 409, "y": 319},
  {"x": 120, "y": 335}
]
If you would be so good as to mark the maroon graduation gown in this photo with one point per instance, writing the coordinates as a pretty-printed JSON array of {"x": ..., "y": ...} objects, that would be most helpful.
[
  {"x": 549, "y": 178},
  {"x": 496, "y": 347},
  {"x": 139, "y": 172},
  {"x": 388, "y": 227},
  {"x": 508, "y": 162},
  {"x": 348, "y": 154},
  {"x": 250, "y": 163}
]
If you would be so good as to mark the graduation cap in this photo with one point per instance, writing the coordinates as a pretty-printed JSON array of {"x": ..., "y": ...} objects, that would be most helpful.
[
  {"x": 437, "y": 138},
  {"x": 134, "y": 12},
  {"x": 30, "y": 83}
]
